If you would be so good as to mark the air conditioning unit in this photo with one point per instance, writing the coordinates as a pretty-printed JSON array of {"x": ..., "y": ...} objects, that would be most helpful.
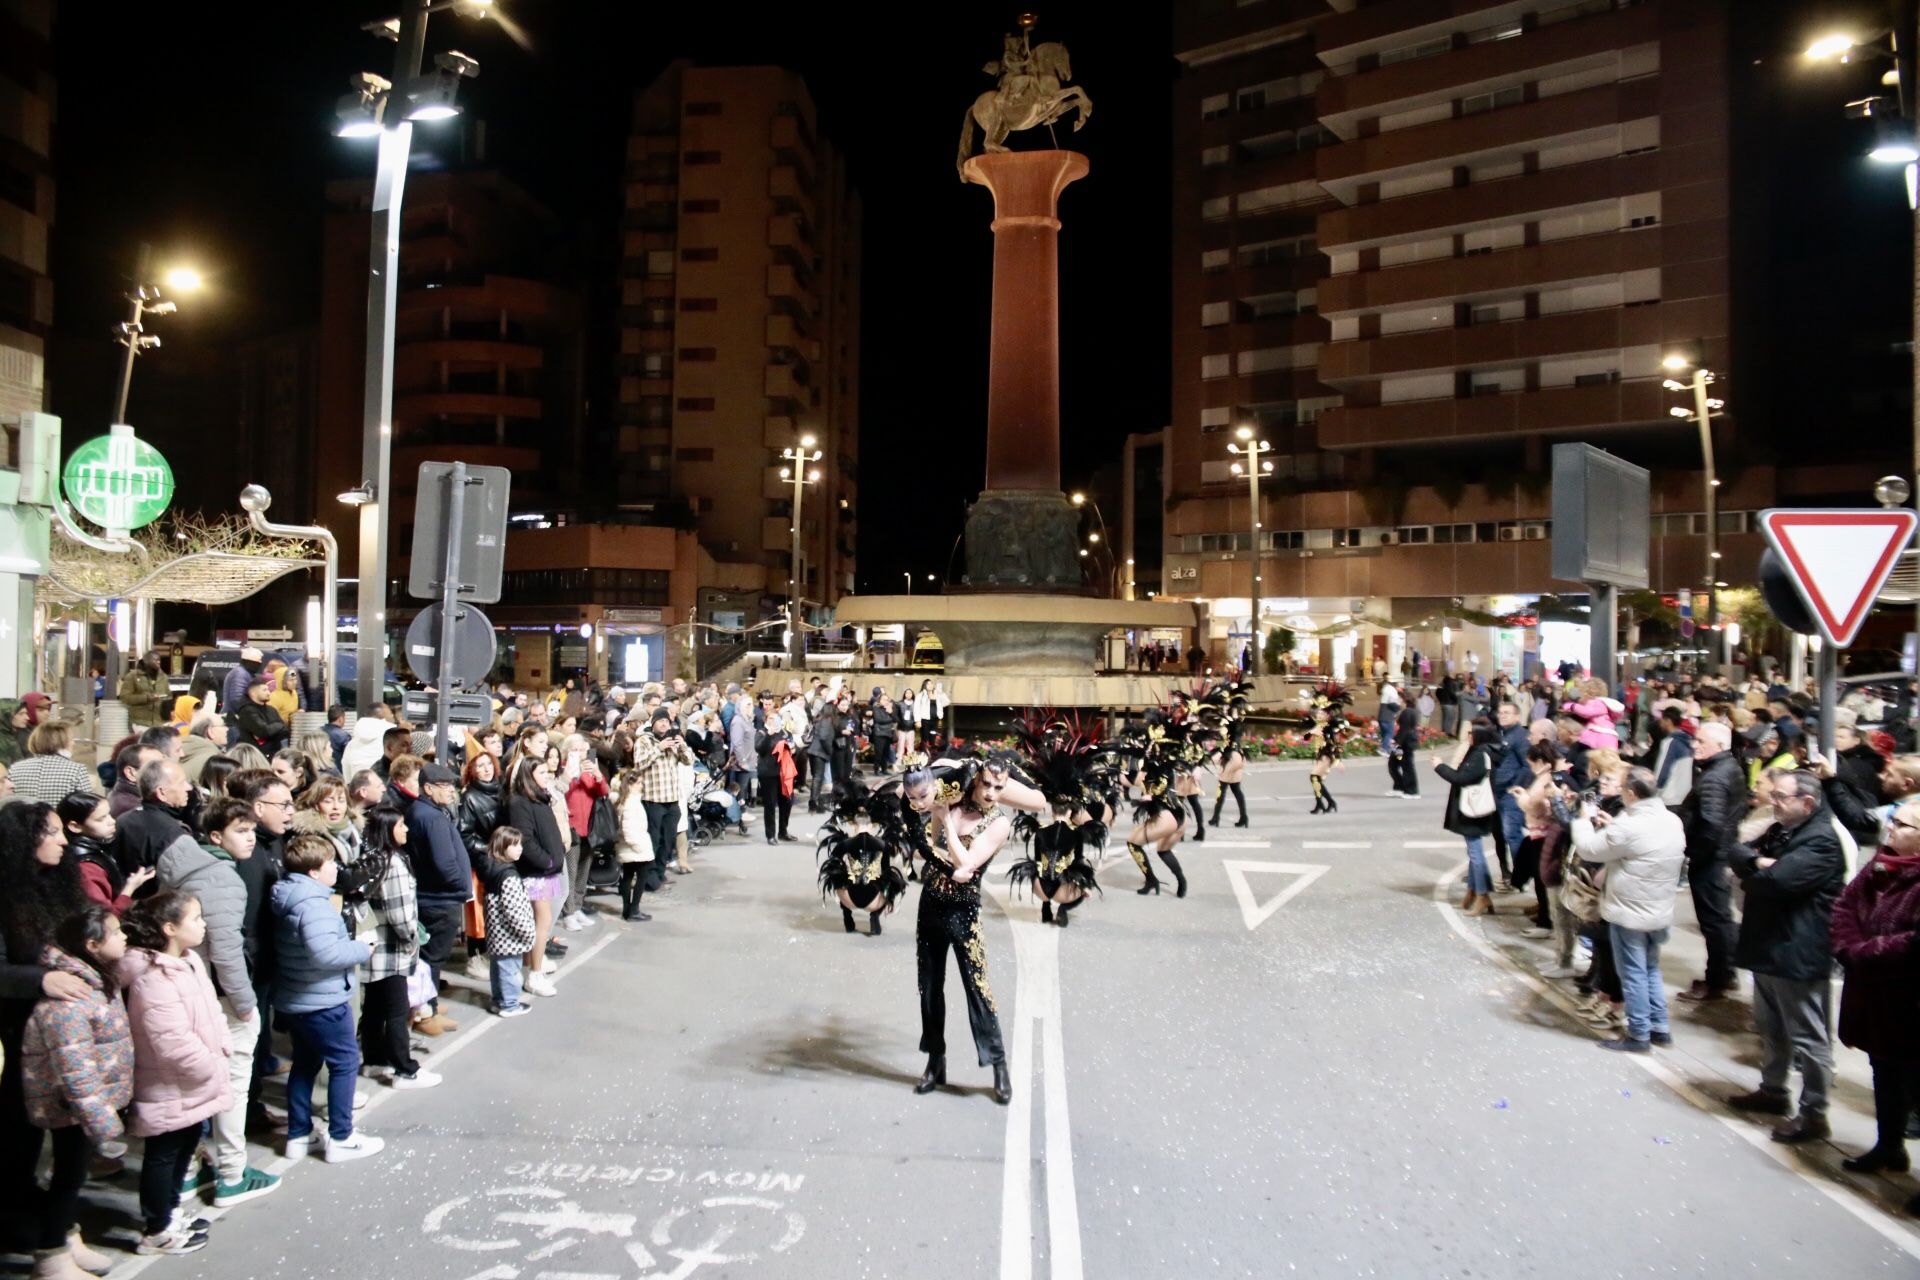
[
  {"x": 1389, "y": 538},
  {"x": 1509, "y": 533}
]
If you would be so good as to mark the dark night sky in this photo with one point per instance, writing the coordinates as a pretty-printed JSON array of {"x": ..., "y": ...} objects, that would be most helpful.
[{"x": 220, "y": 150}]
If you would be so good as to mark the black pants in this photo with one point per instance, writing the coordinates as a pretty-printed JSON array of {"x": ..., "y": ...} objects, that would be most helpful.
[
  {"x": 1239, "y": 800},
  {"x": 1896, "y": 1091},
  {"x": 19, "y": 1154},
  {"x": 385, "y": 1026},
  {"x": 950, "y": 921},
  {"x": 60, "y": 1208},
  {"x": 772, "y": 802},
  {"x": 633, "y": 886},
  {"x": 663, "y": 824},
  {"x": 1408, "y": 779},
  {"x": 160, "y": 1169},
  {"x": 813, "y": 787},
  {"x": 443, "y": 921},
  {"x": 1713, "y": 908}
]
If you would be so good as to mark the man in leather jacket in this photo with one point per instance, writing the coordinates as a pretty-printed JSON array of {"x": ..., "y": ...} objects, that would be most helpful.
[{"x": 1712, "y": 815}]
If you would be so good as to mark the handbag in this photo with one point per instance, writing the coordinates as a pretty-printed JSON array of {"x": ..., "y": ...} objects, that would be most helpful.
[
  {"x": 1476, "y": 800},
  {"x": 603, "y": 825},
  {"x": 1578, "y": 893}
]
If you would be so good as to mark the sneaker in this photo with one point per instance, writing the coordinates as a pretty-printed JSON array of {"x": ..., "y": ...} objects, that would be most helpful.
[
  {"x": 513, "y": 1011},
  {"x": 586, "y": 918},
  {"x": 360, "y": 1099},
  {"x": 171, "y": 1241},
  {"x": 184, "y": 1219},
  {"x": 1557, "y": 971},
  {"x": 555, "y": 947},
  {"x": 198, "y": 1175},
  {"x": 1808, "y": 1126},
  {"x": 1626, "y": 1045},
  {"x": 112, "y": 1149},
  {"x": 355, "y": 1146},
  {"x": 478, "y": 968},
  {"x": 1660, "y": 1039},
  {"x": 547, "y": 969},
  {"x": 421, "y": 1079},
  {"x": 1535, "y": 931},
  {"x": 296, "y": 1148},
  {"x": 541, "y": 985},
  {"x": 571, "y": 923},
  {"x": 1760, "y": 1100},
  {"x": 250, "y": 1185}
]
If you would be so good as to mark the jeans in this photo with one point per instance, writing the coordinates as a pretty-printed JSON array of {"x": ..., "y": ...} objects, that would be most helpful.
[
  {"x": 506, "y": 982},
  {"x": 323, "y": 1038},
  {"x": 1713, "y": 908},
  {"x": 579, "y": 860},
  {"x": 1477, "y": 878},
  {"x": 161, "y": 1166},
  {"x": 1566, "y": 927},
  {"x": 1793, "y": 1018},
  {"x": 229, "y": 1142},
  {"x": 1513, "y": 829},
  {"x": 1636, "y": 952}
]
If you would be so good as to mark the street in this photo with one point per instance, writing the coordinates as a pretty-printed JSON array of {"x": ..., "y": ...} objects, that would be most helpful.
[{"x": 1342, "y": 1084}]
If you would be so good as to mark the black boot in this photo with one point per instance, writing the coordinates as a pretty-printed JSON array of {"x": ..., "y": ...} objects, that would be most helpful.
[
  {"x": 1002, "y": 1083},
  {"x": 846, "y": 918},
  {"x": 873, "y": 924},
  {"x": 1199, "y": 818},
  {"x": 1140, "y": 860},
  {"x": 1046, "y": 912},
  {"x": 935, "y": 1075},
  {"x": 1179, "y": 876},
  {"x": 1319, "y": 793},
  {"x": 1060, "y": 916}
]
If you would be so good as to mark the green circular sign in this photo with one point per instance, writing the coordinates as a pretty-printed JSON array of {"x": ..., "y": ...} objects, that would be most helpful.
[{"x": 118, "y": 481}]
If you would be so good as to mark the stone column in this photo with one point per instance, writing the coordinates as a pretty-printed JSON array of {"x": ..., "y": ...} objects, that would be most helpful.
[{"x": 1022, "y": 532}]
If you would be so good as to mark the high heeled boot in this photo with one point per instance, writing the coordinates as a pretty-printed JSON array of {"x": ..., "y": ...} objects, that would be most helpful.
[
  {"x": 1060, "y": 916},
  {"x": 1140, "y": 860},
  {"x": 873, "y": 924},
  {"x": 1046, "y": 912},
  {"x": 935, "y": 1074},
  {"x": 846, "y": 918},
  {"x": 1179, "y": 876},
  {"x": 1319, "y": 794},
  {"x": 1002, "y": 1083}
]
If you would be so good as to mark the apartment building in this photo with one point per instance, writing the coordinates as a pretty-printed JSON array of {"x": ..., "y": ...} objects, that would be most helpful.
[
  {"x": 26, "y": 201},
  {"x": 740, "y": 324},
  {"x": 1417, "y": 243}
]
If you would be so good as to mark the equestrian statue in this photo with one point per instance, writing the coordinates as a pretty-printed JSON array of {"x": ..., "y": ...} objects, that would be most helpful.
[{"x": 1029, "y": 94}]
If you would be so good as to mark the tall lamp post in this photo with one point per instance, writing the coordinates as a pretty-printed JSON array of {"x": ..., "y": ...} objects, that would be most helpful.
[
  {"x": 1252, "y": 463},
  {"x": 386, "y": 110},
  {"x": 1705, "y": 410},
  {"x": 146, "y": 299},
  {"x": 799, "y": 460}
]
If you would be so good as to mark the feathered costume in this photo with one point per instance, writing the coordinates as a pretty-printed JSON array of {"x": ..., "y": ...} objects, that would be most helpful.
[
  {"x": 1063, "y": 762},
  {"x": 1328, "y": 731},
  {"x": 1222, "y": 711},
  {"x": 1161, "y": 752},
  {"x": 856, "y": 850}
]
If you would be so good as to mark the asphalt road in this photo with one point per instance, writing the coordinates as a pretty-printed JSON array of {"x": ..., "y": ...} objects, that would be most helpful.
[{"x": 1344, "y": 1083}]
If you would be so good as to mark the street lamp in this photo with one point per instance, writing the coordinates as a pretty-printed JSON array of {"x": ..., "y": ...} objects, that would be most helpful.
[
  {"x": 255, "y": 500},
  {"x": 1244, "y": 445},
  {"x": 147, "y": 299},
  {"x": 909, "y": 578},
  {"x": 1705, "y": 409},
  {"x": 798, "y": 460},
  {"x": 371, "y": 110}
]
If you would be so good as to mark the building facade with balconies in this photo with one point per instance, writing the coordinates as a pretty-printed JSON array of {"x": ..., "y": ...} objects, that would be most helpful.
[
  {"x": 1417, "y": 243},
  {"x": 740, "y": 323},
  {"x": 26, "y": 202}
]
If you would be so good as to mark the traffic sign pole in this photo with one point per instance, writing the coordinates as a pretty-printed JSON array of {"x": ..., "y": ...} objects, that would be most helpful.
[{"x": 449, "y": 601}]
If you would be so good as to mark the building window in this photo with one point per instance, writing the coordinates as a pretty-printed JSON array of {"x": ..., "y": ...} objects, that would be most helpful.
[
  {"x": 1214, "y": 313},
  {"x": 693, "y": 455},
  {"x": 1213, "y": 156},
  {"x": 1214, "y": 260},
  {"x": 701, "y": 157},
  {"x": 699, "y": 304},
  {"x": 1512, "y": 96},
  {"x": 699, "y": 354},
  {"x": 703, "y": 108},
  {"x": 708, "y": 254},
  {"x": 1215, "y": 366},
  {"x": 653, "y": 364},
  {"x": 699, "y": 206},
  {"x": 694, "y": 404},
  {"x": 1215, "y": 107},
  {"x": 1216, "y": 207},
  {"x": 659, "y": 262}
]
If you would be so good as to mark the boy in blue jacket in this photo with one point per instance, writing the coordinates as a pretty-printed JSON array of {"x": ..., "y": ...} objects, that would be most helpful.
[{"x": 319, "y": 966}]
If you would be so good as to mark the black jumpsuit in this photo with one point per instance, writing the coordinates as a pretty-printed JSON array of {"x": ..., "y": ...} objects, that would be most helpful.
[{"x": 950, "y": 918}]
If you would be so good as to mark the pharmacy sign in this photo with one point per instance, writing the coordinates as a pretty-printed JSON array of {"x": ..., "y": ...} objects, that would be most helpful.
[{"x": 118, "y": 481}]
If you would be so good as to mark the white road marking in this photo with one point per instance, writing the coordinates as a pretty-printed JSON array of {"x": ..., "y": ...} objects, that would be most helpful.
[
  {"x": 1257, "y": 913},
  {"x": 1336, "y": 844},
  {"x": 1882, "y": 1222},
  {"x": 1036, "y": 951},
  {"x": 1217, "y": 843},
  {"x": 1430, "y": 844}
]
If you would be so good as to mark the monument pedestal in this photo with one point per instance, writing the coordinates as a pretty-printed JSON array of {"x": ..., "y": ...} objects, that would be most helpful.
[{"x": 1023, "y": 538}]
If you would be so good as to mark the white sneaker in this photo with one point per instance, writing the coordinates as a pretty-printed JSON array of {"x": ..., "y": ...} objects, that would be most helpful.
[
  {"x": 297, "y": 1147},
  {"x": 1535, "y": 931},
  {"x": 353, "y": 1147},
  {"x": 1558, "y": 971},
  {"x": 515, "y": 1012},
  {"x": 171, "y": 1241},
  {"x": 421, "y": 1079},
  {"x": 540, "y": 985},
  {"x": 586, "y": 918},
  {"x": 548, "y": 968},
  {"x": 478, "y": 968}
]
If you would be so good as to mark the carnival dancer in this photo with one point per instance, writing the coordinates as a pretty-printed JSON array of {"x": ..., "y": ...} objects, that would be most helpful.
[
  {"x": 1159, "y": 813},
  {"x": 1064, "y": 840},
  {"x": 1328, "y": 734},
  {"x": 856, "y": 849},
  {"x": 962, "y": 828}
]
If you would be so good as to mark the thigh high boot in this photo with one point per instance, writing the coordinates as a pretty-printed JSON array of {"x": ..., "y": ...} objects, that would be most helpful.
[
  {"x": 1319, "y": 793},
  {"x": 1199, "y": 818},
  {"x": 1326, "y": 793},
  {"x": 1140, "y": 860},
  {"x": 1240, "y": 803},
  {"x": 1219, "y": 803},
  {"x": 1179, "y": 876}
]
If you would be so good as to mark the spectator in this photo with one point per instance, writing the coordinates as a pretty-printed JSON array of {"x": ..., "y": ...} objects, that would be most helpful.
[
  {"x": 125, "y": 793},
  {"x": 821, "y": 738},
  {"x": 49, "y": 773},
  {"x": 205, "y": 739},
  {"x": 363, "y": 749},
  {"x": 442, "y": 873},
  {"x": 584, "y": 784},
  {"x": 1510, "y": 771},
  {"x": 773, "y": 746},
  {"x": 316, "y": 964},
  {"x": 13, "y": 730},
  {"x": 1792, "y": 875},
  {"x": 273, "y": 815},
  {"x": 510, "y": 930},
  {"x": 541, "y": 818},
  {"x": 233, "y": 688},
  {"x": 339, "y": 735},
  {"x": 1644, "y": 847},
  {"x": 1876, "y": 936},
  {"x": 143, "y": 690},
  {"x": 180, "y": 1049},
  {"x": 90, "y": 832},
  {"x": 256, "y": 719},
  {"x": 393, "y": 927},
  {"x": 883, "y": 734},
  {"x": 78, "y": 1075},
  {"x": 1673, "y": 767},
  {"x": 1712, "y": 815},
  {"x": 160, "y": 821},
  {"x": 1472, "y": 767},
  {"x": 365, "y": 790}
]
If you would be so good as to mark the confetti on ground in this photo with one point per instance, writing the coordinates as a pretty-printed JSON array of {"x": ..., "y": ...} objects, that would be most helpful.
[
  {"x": 1626, "y": 1093},
  {"x": 1500, "y": 1105},
  {"x": 1663, "y": 1141}
]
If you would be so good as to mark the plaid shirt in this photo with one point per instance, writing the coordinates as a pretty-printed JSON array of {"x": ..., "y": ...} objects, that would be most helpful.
[
  {"x": 397, "y": 911},
  {"x": 659, "y": 769}
]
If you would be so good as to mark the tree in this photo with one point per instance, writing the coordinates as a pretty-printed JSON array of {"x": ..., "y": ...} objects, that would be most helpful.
[{"x": 1279, "y": 644}]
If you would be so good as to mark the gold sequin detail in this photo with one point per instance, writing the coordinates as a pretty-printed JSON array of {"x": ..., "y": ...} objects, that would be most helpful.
[{"x": 976, "y": 950}]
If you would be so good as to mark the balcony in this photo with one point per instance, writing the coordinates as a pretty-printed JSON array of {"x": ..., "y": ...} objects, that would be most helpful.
[
  {"x": 787, "y": 231},
  {"x": 1510, "y": 271},
  {"x": 780, "y": 431},
  {"x": 1590, "y": 112},
  {"x": 790, "y": 192},
  {"x": 1556, "y": 409},
  {"x": 413, "y": 356},
  {"x": 784, "y": 333},
  {"x": 790, "y": 133},
  {"x": 776, "y": 534},
  {"x": 1342, "y": 37},
  {"x": 1564, "y": 47},
  {"x": 783, "y": 282},
  {"x": 462, "y": 404},
  {"x": 1204, "y": 32},
  {"x": 786, "y": 382}
]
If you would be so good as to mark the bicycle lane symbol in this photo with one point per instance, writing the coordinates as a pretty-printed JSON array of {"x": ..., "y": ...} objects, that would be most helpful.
[{"x": 563, "y": 1225}]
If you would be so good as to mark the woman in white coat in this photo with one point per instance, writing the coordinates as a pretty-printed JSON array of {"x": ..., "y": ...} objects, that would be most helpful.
[{"x": 634, "y": 848}]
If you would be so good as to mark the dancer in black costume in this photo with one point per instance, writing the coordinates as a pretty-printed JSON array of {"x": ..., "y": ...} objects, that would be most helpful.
[
  {"x": 1328, "y": 733},
  {"x": 1062, "y": 842},
  {"x": 964, "y": 827},
  {"x": 856, "y": 854},
  {"x": 1159, "y": 813}
]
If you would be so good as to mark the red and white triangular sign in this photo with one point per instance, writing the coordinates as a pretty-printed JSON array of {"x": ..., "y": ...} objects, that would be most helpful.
[{"x": 1839, "y": 559}]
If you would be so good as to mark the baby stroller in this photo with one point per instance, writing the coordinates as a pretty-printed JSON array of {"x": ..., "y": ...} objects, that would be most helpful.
[{"x": 708, "y": 817}]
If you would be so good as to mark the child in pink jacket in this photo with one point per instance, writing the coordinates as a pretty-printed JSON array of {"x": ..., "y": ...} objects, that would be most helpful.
[
  {"x": 180, "y": 1049},
  {"x": 1597, "y": 713}
]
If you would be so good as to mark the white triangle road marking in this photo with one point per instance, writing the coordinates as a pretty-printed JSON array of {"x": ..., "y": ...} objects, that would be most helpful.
[{"x": 1257, "y": 913}]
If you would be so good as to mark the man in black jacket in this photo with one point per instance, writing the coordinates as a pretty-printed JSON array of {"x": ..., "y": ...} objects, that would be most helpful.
[
  {"x": 442, "y": 874},
  {"x": 1792, "y": 874},
  {"x": 273, "y": 814},
  {"x": 1712, "y": 815}
]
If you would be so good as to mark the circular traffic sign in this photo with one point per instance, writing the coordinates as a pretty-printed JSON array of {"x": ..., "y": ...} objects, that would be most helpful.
[
  {"x": 473, "y": 646},
  {"x": 118, "y": 481}
]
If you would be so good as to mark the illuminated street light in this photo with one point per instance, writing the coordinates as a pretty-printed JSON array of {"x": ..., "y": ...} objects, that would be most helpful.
[
  {"x": 1705, "y": 409},
  {"x": 1079, "y": 499},
  {"x": 1829, "y": 47},
  {"x": 144, "y": 300},
  {"x": 1895, "y": 151},
  {"x": 1252, "y": 449},
  {"x": 797, "y": 457}
]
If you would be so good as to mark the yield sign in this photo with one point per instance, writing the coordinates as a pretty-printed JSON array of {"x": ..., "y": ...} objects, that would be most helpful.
[
  {"x": 1254, "y": 912},
  {"x": 1839, "y": 559}
]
